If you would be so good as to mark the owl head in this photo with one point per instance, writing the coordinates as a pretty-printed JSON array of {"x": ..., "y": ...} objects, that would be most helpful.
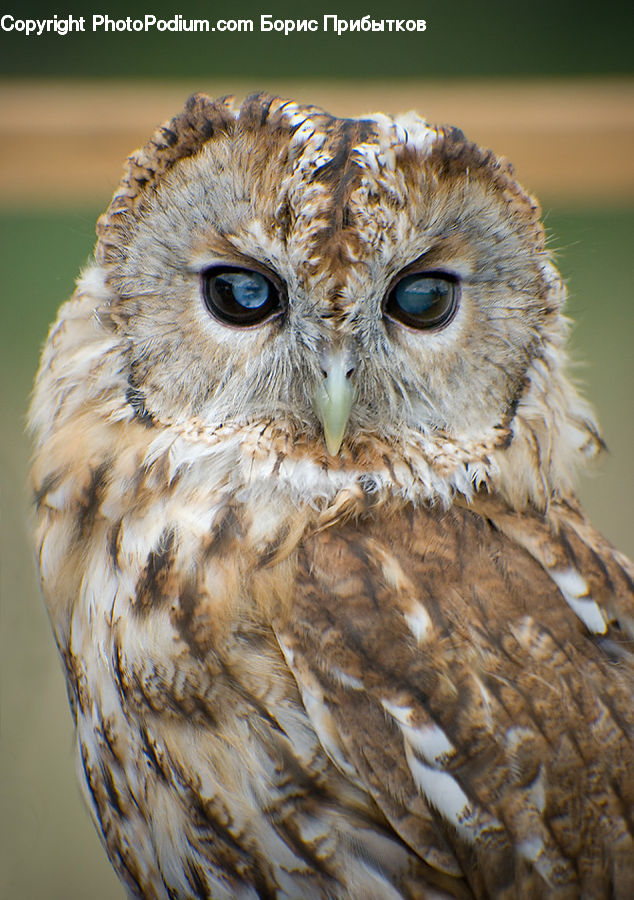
[{"x": 360, "y": 282}]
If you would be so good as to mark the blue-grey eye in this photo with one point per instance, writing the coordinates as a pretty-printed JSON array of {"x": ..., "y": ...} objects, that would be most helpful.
[
  {"x": 422, "y": 300},
  {"x": 240, "y": 297}
]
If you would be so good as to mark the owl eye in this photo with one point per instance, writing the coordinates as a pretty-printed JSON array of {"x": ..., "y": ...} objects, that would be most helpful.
[
  {"x": 423, "y": 300},
  {"x": 239, "y": 296}
]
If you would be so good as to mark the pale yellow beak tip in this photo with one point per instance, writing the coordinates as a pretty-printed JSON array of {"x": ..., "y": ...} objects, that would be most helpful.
[{"x": 333, "y": 442}]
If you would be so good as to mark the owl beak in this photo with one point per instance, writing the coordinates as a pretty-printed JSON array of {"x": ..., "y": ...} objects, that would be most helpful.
[{"x": 334, "y": 395}]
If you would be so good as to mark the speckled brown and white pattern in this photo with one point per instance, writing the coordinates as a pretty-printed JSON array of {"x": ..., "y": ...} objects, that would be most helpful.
[{"x": 404, "y": 671}]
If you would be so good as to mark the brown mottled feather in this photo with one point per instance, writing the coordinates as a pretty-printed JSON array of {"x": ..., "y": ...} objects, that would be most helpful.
[{"x": 543, "y": 677}]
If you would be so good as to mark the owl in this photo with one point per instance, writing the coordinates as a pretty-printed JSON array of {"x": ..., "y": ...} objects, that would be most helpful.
[{"x": 332, "y": 621}]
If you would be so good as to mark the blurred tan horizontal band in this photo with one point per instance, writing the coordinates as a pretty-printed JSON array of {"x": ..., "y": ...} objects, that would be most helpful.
[{"x": 570, "y": 141}]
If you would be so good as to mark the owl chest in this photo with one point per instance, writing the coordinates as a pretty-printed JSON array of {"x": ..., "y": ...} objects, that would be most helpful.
[
  {"x": 167, "y": 617},
  {"x": 190, "y": 728}
]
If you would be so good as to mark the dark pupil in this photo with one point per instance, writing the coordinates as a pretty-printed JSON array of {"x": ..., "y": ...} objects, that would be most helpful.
[
  {"x": 416, "y": 295},
  {"x": 249, "y": 290}
]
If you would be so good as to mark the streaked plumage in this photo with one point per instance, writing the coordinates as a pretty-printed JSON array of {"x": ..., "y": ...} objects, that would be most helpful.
[{"x": 396, "y": 666}]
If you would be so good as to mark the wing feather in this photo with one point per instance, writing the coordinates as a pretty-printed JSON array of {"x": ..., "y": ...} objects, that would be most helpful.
[{"x": 490, "y": 720}]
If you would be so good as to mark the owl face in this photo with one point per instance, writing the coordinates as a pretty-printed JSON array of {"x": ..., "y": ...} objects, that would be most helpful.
[{"x": 346, "y": 277}]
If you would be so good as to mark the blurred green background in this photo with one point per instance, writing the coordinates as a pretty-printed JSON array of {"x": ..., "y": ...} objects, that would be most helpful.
[{"x": 48, "y": 847}]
